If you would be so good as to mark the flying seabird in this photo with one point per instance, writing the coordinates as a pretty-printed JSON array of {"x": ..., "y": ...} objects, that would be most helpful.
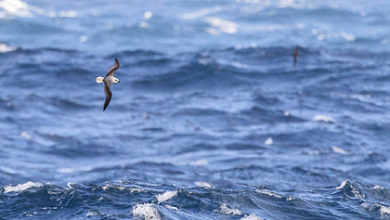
[
  {"x": 295, "y": 55},
  {"x": 108, "y": 80}
]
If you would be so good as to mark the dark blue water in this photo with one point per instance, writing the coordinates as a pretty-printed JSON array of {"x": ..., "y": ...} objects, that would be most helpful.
[{"x": 210, "y": 120}]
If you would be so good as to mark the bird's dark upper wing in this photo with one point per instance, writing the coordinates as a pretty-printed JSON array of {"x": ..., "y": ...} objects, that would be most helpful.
[
  {"x": 107, "y": 90},
  {"x": 114, "y": 68}
]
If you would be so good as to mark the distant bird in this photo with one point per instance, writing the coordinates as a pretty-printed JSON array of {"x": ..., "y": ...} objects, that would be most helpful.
[
  {"x": 295, "y": 55},
  {"x": 108, "y": 80}
]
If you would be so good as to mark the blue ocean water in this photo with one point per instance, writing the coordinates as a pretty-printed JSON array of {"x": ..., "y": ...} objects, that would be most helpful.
[{"x": 210, "y": 120}]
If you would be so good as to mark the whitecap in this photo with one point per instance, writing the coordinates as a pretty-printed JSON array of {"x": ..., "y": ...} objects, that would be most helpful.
[
  {"x": 286, "y": 3},
  {"x": 313, "y": 152},
  {"x": 201, "y": 13},
  {"x": 83, "y": 38},
  {"x": 136, "y": 190},
  {"x": 67, "y": 14},
  {"x": 65, "y": 170},
  {"x": 347, "y": 36},
  {"x": 212, "y": 31},
  {"x": 19, "y": 8},
  {"x": 22, "y": 187},
  {"x": 4, "y": 48},
  {"x": 147, "y": 211},
  {"x": 251, "y": 216},
  {"x": 70, "y": 185},
  {"x": 143, "y": 24},
  {"x": 203, "y": 184},
  {"x": 269, "y": 193},
  {"x": 355, "y": 191},
  {"x": 26, "y": 135},
  {"x": 384, "y": 210},
  {"x": 269, "y": 141},
  {"x": 109, "y": 186},
  {"x": 377, "y": 187},
  {"x": 323, "y": 118},
  {"x": 221, "y": 25},
  {"x": 342, "y": 184},
  {"x": 71, "y": 170},
  {"x": 166, "y": 196},
  {"x": 359, "y": 97},
  {"x": 91, "y": 213},
  {"x": 339, "y": 150},
  {"x": 224, "y": 209},
  {"x": 148, "y": 15},
  {"x": 171, "y": 207},
  {"x": 201, "y": 162}
]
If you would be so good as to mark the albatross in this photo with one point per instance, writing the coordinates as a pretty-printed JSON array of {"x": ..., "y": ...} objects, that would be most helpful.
[{"x": 108, "y": 80}]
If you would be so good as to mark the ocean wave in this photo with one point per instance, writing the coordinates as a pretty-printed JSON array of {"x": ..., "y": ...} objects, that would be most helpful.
[
  {"x": 166, "y": 196},
  {"x": 146, "y": 211},
  {"x": 22, "y": 187}
]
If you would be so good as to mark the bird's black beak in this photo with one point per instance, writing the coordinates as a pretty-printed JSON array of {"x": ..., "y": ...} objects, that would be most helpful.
[{"x": 119, "y": 81}]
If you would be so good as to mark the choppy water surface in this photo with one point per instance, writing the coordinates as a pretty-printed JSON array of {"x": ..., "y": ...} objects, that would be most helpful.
[{"x": 210, "y": 120}]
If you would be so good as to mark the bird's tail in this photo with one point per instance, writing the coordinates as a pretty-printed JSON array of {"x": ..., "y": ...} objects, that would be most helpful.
[{"x": 99, "y": 79}]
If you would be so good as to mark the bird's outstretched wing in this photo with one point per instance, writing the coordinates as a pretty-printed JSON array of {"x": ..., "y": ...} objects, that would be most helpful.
[
  {"x": 114, "y": 68},
  {"x": 107, "y": 90}
]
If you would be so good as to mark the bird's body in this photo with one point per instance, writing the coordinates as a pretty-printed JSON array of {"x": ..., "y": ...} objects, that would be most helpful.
[{"x": 108, "y": 80}]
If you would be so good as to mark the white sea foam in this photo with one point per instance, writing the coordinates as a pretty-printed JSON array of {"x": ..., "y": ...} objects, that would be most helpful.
[
  {"x": 4, "y": 48},
  {"x": 148, "y": 15},
  {"x": 201, "y": 13},
  {"x": 377, "y": 187},
  {"x": 71, "y": 170},
  {"x": 91, "y": 213},
  {"x": 83, "y": 38},
  {"x": 286, "y": 3},
  {"x": 251, "y": 216},
  {"x": 171, "y": 207},
  {"x": 26, "y": 135},
  {"x": 224, "y": 209},
  {"x": 360, "y": 97},
  {"x": 22, "y": 187},
  {"x": 166, "y": 196},
  {"x": 355, "y": 191},
  {"x": 269, "y": 193},
  {"x": 62, "y": 14},
  {"x": 313, "y": 152},
  {"x": 220, "y": 25},
  {"x": 203, "y": 184},
  {"x": 147, "y": 211},
  {"x": 143, "y": 24},
  {"x": 347, "y": 36},
  {"x": 342, "y": 184},
  {"x": 17, "y": 8},
  {"x": 65, "y": 170},
  {"x": 201, "y": 162},
  {"x": 136, "y": 190},
  {"x": 20, "y": 8},
  {"x": 212, "y": 31},
  {"x": 339, "y": 150},
  {"x": 323, "y": 118},
  {"x": 109, "y": 186},
  {"x": 269, "y": 141},
  {"x": 384, "y": 210}
]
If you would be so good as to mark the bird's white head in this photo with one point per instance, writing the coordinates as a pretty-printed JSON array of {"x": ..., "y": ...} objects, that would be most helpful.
[{"x": 116, "y": 80}]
